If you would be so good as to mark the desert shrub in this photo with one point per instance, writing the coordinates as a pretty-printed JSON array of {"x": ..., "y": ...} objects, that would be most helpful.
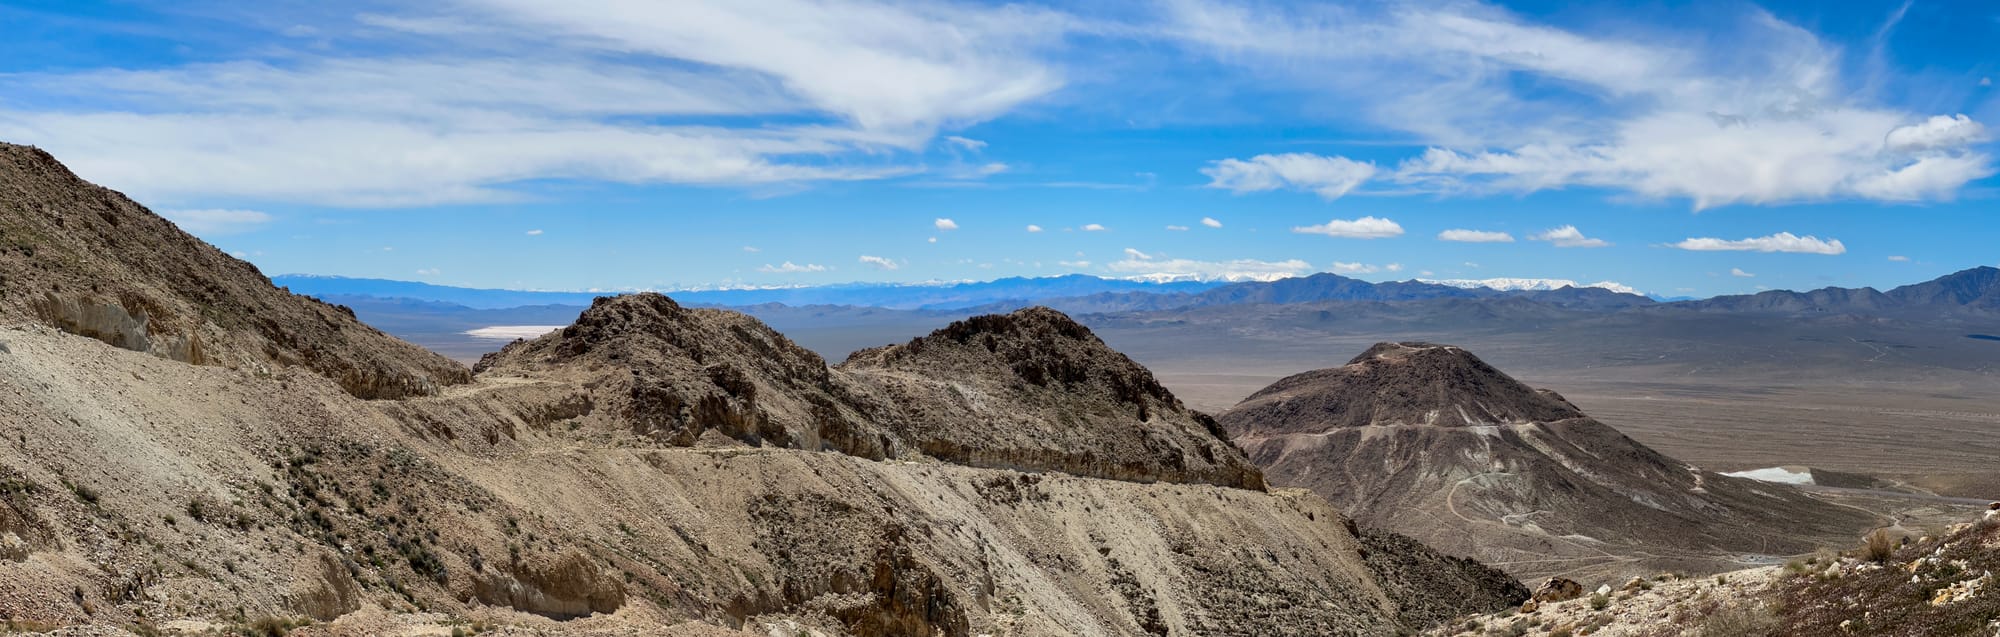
[
  {"x": 1740, "y": 620},
  {"x": 1562, "y": 631},
  {"x": 1878, "y": 546},
  {"x": 1598, "y": 601}
]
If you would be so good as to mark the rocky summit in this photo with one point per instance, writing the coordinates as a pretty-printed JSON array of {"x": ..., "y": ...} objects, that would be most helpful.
[
  {"x": 650, "y": 469},
  {"x": 1430, "y": 441},
  {"x": 1034, "y": 389}
]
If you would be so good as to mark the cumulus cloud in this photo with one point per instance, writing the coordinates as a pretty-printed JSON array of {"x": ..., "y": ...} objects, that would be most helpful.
[
  {"x": 1738, "y": 272},
  {"x": 1329, "y": 177},
  {"x": 1210, "y": 222},
  {"x": 945, "y": 224},
  {"x": 1074, "y": 264},
  {"x": 1568, "y": 237},
  {"x": 1780, "y": 242},
  {"x": 791, "y": 268},
  {"x": 1034, "y": 228},
  {"x": 216, "y": 221},
  {"x": 1937, "y": 133},
  {"x": 1393, "y": 267},
  {"x": 1899, "y": 258},
  {"x": 1351, "y": 268},
  {"x": 1177, "y": 228},
  {"x": 1363, "y": 228},
  {"x": 535, "y": 233},
  {"x": 1143, "y": 266},
  {"x": 1093, "y": 227},
  {"x": 752, "y": 249},
  {"x": 880, "y": 263},
  {"x": 428, "y": 272},
  {"x": 1475, "y": 236}
]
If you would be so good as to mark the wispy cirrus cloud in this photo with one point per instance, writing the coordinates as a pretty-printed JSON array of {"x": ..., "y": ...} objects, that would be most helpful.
[
  {"x": 1766, "y": 120},
  {"x": 216, "y": 221},
  {"x": 1329, "y": 177},
  {"x": 736, "y": 94}
]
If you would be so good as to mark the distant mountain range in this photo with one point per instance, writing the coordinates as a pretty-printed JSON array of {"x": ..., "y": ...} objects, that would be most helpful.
[
  {"x": 1976, "y": 289},
  {"x": 899, "y": 296}
]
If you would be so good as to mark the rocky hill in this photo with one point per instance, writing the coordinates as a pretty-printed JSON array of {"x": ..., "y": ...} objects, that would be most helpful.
[
  {"x": 89, "y": 261},
  {"x": 648, "y": 470},
  {"x": 1430, "y": 441},
  {"x": 1034, "y": 389}
]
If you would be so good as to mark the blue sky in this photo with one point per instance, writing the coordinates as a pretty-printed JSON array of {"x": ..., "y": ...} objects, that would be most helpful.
[{"x": 1679, "y": 148}]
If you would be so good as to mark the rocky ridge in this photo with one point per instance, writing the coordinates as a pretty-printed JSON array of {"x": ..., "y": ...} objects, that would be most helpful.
[
  {"x": 90, "y": 261},
  {"x": 649, "y": 470}
]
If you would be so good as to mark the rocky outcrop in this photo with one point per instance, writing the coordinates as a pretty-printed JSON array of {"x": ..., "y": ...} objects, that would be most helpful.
[
  {"x": 92, "y": 262},
  {"x": 671, "y": 374},
  {"x": 1429, "y": 441},
  {"x": 1036, "y": 391},
  {"x": 565, "y": 585},
  {"x": 323, "y": 589}
]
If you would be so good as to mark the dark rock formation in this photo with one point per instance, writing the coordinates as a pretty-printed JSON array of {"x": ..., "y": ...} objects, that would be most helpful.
[{"x": 1034, "y": 390}]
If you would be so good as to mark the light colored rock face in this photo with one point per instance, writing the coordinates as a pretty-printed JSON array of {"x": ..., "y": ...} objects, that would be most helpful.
[
  {"x": 485, "y": 500},
  {"x": 92, "y": 262},
  {"x": 1429, "y": 441}
]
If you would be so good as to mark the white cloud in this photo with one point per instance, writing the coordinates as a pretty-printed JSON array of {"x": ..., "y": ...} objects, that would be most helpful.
[
  {"x": 1330, "y": 177},
  {"x": 1092, "y": 227},
  {"x": 1142, "y": 266},
  {"x": 1475, "y": 236},
  {"x": 1937, "y": 133},
  {"x": 1738, "y": 272},
  {"x": 1210, "y": 222},
  {"x": 1034, "y": 228},
  {"x": 1363, "y": 228},
  {"x": 945, "y": 224},
  {"x": 535, "y": 233},
  {"x": 1393, "y": 267},
  {"x": 791, "y": 268},
  {"x": 216, "y": 221},
  {"x": 752, "y": 249},
  {"x": 1568, "y": 237},
  {"x": 882, "y": 263},
  {"x": 1351, "y": 268},
  {"x": 496, "y": 93},
  {"x": 428, "y": 272},
  {"x": 1177, "y": 228},
  {"x": 1746, "y": 112},
  {"x": 931, "y": 240},
  {"x": 1780, "y": 242},
  {"x": 1899, "y": 258},
  {"x": 965, "y": 143},
  {"x": 1985, "y": 81},
  {"x": 1074, "y": 264}
]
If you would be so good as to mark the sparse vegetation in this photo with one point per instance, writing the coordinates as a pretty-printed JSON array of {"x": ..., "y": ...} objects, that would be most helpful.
[
  {"x": 1598, "y": 601},
  {"x": 1748, "y": 619},
  {"x": 1879, "y": 546}
]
